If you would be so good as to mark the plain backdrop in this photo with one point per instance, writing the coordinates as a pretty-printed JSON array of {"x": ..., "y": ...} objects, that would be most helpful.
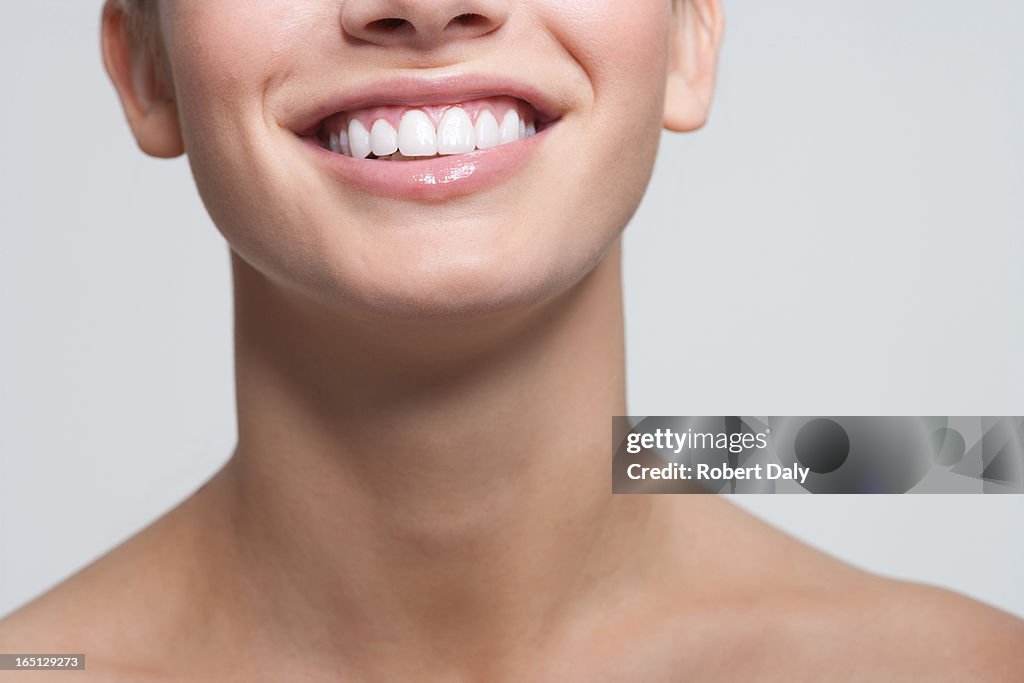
[{"x": 845, "y": 237}]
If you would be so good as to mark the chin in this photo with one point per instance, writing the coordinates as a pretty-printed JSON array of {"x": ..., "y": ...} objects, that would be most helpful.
[{"x": 460, "y": 283}]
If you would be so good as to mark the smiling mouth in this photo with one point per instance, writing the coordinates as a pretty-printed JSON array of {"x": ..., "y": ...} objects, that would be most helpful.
[{"x": 410, "y": 133}]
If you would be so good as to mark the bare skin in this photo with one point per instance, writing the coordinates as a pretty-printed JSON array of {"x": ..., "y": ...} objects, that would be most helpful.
[
  {"x": 399, "y": 557},
  {"x": 421, "y": 488}
]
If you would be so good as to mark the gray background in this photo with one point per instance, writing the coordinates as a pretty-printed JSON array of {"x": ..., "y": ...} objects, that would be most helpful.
[{"x": 844, "y": 238}]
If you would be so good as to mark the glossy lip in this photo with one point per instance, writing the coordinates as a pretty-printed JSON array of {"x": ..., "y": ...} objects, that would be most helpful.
[
  {"x": 416, "y": 91},
  {"x": 435, "y": 179}
]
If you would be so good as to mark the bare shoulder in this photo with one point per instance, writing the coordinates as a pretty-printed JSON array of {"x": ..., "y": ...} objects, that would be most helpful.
[
  {"x": 873, "y": 628},
  {"x": 801, "y": 612},
  {"x": 122, "y": 611},
  {"x": 932, "y": 629},
  {"x": 90, "y": 613},
  {"x": 57, "y": 623}
]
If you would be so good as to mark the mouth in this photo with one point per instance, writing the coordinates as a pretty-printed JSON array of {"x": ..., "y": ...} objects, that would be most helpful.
[
  {"x": 418, "y": 132},
  {"x": 430, "y": 139}
]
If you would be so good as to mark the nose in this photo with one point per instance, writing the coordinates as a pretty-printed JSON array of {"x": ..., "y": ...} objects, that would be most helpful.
[{"x": 423, "y": 24}]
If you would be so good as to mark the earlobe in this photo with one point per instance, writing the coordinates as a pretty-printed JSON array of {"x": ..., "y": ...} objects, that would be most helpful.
[
  {"x": 697, "y": 27},
  {"x": 132, "y": 66},
  {"x": 684, "y": 110}
]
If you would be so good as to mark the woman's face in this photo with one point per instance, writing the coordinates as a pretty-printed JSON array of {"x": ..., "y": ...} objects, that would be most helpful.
[{"x": 276, "y": 99}]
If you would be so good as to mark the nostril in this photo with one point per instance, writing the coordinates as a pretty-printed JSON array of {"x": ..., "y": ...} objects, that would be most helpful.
[
  {"x": 469, "y": 20},
  {"x": 387, "y": 25},
  {"x": 420, "y": 24}
]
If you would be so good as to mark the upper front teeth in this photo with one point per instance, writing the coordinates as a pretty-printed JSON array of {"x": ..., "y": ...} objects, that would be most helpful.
[
  {"x": 417, "y": 137},
  {"x": 383, "y": 139},
  {"x": 455, "y": 135},
  {"x": 416, "y": 134},
  {"x": 487, "y": 132}
]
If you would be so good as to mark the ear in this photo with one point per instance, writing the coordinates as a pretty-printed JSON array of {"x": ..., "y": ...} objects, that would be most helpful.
[
  {"x": 137, "y": 72},
  {"x": 697, "y": 27}
]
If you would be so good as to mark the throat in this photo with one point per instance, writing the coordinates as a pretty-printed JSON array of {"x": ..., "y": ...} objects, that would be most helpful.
[{"x": 408, "y": 483}]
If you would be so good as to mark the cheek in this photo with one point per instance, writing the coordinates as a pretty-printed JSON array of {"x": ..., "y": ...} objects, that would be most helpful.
[
  {"x": 218, "y": 52},
  {"x": 225, "y": 55},
  {"x": 623, "y": 46},
  {"x": 232, "y": 40}
]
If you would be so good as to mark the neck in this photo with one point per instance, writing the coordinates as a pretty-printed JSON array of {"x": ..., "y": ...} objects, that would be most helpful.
[{"x": 435, "y": 484}]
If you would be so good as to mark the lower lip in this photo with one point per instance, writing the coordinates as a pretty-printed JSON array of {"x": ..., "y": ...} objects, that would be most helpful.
[{"x": 436, "y": 178}]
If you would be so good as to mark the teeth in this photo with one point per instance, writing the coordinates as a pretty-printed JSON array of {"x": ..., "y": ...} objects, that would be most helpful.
[
  {"x": 455, "y": 135},
  {"x": 416, "y": 135},
  {"x": 510, "y": 127},
  {"x": 359, "y": 139},
  {"x": 487, "y": 132},
  {"x": 383, "y": 138}
]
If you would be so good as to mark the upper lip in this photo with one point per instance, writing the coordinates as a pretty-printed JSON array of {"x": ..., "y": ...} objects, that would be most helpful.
[{"x": 416, "y": 91}]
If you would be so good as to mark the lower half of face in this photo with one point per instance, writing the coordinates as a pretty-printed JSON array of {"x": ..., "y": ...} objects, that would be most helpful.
[{"x": 393, "y": 169}]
